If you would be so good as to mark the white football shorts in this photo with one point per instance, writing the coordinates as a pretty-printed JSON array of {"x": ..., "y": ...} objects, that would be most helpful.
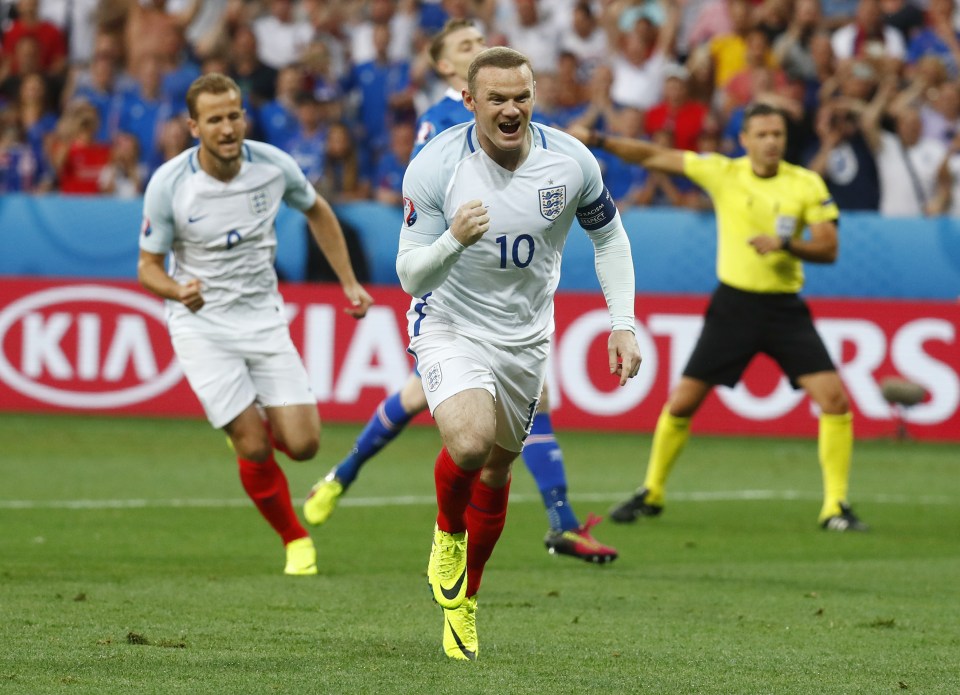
[
  {"x": 229, "y": 373},
  {"x": 449, "y": 363}
]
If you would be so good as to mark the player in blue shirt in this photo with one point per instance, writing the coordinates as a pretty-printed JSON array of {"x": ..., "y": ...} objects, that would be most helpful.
[
  {"x": 452, "y": 51},
  {"x": 446, "y": 113}
]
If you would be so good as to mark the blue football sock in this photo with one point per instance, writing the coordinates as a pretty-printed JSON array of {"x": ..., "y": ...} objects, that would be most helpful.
[
  {"x": 387, "y": 422},
  {"x": 545, "y": 462}
]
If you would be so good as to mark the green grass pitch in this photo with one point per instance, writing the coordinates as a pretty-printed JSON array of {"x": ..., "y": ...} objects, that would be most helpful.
[{"x": 131, "y": 562}]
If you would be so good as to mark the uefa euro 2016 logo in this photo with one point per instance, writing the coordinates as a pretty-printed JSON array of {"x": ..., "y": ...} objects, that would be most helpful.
[
  {"x": 409, "y": 212},
  {"x": 259, "y": 201},
  {"x": 552, "y": 201}
]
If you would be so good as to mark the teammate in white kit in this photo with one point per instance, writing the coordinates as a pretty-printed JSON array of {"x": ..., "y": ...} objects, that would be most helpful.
[
  {"x": 214, "y": 207},
  {"x": 487, "y": 208}
]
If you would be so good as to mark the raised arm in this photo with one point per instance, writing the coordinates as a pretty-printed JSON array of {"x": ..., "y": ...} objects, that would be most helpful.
[
  {"x": 828, "y": 135},
  {"x": 870, "y": 118},
  {"x": 646, "y": 154},
  {"x": 667, "y": 34}
]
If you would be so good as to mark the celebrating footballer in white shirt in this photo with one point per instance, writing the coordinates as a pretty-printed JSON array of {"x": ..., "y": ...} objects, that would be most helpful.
[
  {"x": 213, "y": 208},
  {"x": 451, "y": 50},
  {"x": 487, "y": 208}
]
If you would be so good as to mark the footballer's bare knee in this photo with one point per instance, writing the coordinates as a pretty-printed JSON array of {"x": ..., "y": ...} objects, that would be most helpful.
[
  {"x": 834, "y": 403},
  {"x": 303, "y": 448},
  {"x": 252, "y": 447},
  {"x": 296, "y": 429},
  {"x": 470, "y": 449},
  {"x": 248, "y": 436},
  {"x": 468, "y": 423},
  {"x": 496, "y": 471},
  {"x": 686, "y": 397},
  {"x": 826, "y": 390},
  {"x": 412, "y": 398}
]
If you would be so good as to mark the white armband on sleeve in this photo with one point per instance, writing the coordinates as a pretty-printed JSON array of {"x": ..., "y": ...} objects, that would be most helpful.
[
  {"x": 422, "y": 269},
  {"x": 614, "y": 266}
]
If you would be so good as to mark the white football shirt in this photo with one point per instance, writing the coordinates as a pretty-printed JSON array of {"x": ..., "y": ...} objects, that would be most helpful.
[
  {"x": 501, "y": 289},
  {"x": 899, "y": 196},
  {"x": 223, "y": 234}
]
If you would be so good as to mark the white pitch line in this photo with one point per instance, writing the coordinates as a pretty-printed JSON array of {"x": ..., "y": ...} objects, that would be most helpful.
[{"x": 417, "y": 500}]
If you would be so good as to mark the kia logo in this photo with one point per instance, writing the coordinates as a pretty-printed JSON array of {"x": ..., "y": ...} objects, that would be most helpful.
[{"x": 42, "y": 349}]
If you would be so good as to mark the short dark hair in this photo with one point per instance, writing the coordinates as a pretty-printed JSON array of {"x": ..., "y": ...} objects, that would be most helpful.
[
  {"x": 437, "y": 42},
  {"x": 758, "y": 108},
  {"x": 211, "y": 83},
  {"x": 496, "y": 57}
]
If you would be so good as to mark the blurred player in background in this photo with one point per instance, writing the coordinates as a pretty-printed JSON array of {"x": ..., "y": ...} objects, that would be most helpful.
[
  {"x": 488, "y": 206},
  {"x": 213, "y": 207},
  {"x": 762, "y": 206},
  {"x": 451, "y": 51}
]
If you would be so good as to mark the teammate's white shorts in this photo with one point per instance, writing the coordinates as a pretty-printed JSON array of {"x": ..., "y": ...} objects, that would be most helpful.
[
  {"x": 230, "y": 373},
  {"x": 449, "y": 363}
]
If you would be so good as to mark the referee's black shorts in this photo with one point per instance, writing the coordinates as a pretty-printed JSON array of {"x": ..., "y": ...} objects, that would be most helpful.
[{"x": 740, "y": 324}]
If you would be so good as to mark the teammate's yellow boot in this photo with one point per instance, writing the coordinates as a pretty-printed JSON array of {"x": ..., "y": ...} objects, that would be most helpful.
[{"x": 301, "y": 557}]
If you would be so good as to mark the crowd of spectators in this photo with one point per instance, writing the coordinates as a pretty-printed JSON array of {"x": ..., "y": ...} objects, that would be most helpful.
[{"x": 92, "y": 91}]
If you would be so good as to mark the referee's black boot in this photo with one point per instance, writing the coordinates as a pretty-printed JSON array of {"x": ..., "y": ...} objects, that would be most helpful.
[
  {"x": 627, "y": 512},
  {"x": 845, "y": 521}
]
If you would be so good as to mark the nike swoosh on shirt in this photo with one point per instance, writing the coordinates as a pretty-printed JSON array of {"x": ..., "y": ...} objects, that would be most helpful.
[
  {"x": 452, "y": 592},
  {"x": 191, "y": 220}
]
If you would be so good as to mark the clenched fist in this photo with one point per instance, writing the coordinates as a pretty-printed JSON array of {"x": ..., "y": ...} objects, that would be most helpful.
[{"x": 470, "y": 223}]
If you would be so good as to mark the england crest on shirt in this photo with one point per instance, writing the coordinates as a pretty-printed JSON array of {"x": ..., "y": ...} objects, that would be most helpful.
[
  {"x": 259, "y": 201},
  {"x": 553, "y": 201}
]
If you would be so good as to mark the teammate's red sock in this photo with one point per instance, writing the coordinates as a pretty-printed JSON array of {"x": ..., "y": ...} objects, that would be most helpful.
[
  {"x": 454, "y": 487},
  {"x": 486, "y": 515},
  {"x": 267, "y": 486}
]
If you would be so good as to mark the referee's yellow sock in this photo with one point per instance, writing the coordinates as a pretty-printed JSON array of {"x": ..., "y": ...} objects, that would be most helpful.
[
  {"x": 668, "y": 440},
  {"x": 835, "y": 445}
]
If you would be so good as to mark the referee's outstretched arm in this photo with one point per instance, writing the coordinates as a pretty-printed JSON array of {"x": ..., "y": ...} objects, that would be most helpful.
[{"x": 646, "y": 154}]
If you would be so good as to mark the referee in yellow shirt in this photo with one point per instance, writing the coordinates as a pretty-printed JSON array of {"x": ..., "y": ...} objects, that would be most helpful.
[{"x": 762, "y": 206}]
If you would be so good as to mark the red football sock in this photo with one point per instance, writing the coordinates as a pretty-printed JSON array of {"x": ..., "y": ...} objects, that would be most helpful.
[
  {"x": 486, "y": 515},
  {"x": 267, "y": 486},
  {"x": 454, "y": 487}
]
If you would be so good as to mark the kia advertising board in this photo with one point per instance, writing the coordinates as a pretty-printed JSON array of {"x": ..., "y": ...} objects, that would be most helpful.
[{"x": 101, "y": 347}]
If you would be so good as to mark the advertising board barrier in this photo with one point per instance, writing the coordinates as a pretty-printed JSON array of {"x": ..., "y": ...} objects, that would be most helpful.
[
  {"x": 102, "y": 347},
  {"x": 674, "y": 251}
]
